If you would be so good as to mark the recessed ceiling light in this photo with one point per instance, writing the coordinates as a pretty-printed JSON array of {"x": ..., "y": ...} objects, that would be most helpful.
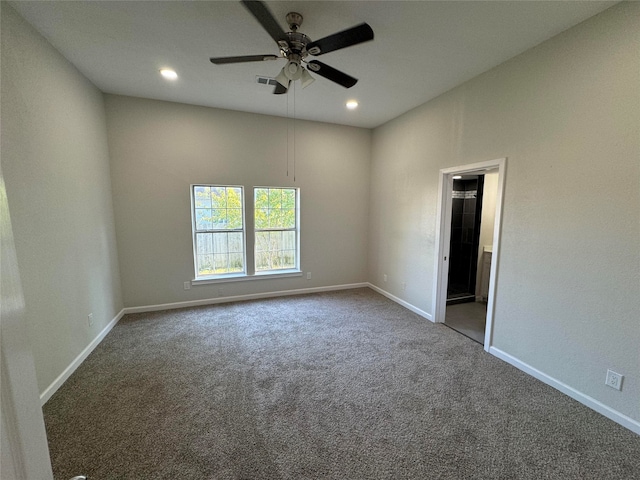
[
  {"x": 352, "y": 104},
  {"x": 168, "y": 74}
]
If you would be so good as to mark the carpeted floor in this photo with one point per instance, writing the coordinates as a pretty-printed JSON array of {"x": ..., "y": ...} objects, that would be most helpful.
[{"x": 339, "y": 385}]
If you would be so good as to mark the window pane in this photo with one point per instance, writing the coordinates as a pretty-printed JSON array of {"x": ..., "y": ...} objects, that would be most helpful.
[
  {"x": 262, "y": 261},
  {"x": 220, "y": 262},
  {"x": 262, "y": 218},
  {"x": 219, "y": 197},
  {"x": 262, "y": 241},
  {"x": 202, "y": 197},
  {"x": 205, "y": 264},
  {"x": 203, "y": 219},
  {"x": 275, "y": 218},
  {"x": 275, "y": 211},
  {"x": 218, "y": 209},
  {"x": 234, "y": 218},
  {"x": 220, "y": 243},
  {"x": 288, "y": 198},
  {"x": 234, "y": 198},
  {"x": 204, "y": 243},
  {"x": 261, "y": 198},
  {"x": 235, "y": 242},
  {"x": 275, "y": 197},
  {"x": 289, "y": 240},
  {"x": 218, "y": 218},
  {"x": 236, "y": 262},
  {"x": 275, "y": 241},
  {"x": 289, "y": 218},
  {"x": 288, "y": 259},
  {"x": 276, "y": 260}
]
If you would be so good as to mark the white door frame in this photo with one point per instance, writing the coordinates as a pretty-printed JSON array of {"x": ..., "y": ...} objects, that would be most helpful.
[
  {"x": 23, "y": 442},
  {"x": 443, "y": 237}
]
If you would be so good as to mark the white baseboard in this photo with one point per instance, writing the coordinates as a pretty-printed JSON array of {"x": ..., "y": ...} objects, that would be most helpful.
[
  {"x": 586, "y": 400},
  {"x": 407, "y": 305},
  {"x": 239, "y": 298},
  {"x": 57, "y": 383}
]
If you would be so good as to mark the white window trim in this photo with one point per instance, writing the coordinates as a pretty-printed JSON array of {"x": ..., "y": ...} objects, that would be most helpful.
[
  {"x": 242, "y": 277},
  {"x": 249, "y": 230},
  {"x": 194, "y": 231},
  {"x": 254, "y": 230}
]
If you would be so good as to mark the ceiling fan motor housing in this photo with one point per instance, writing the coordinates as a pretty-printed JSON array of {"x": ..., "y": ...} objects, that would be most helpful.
[{"x": 294, "y": 20}]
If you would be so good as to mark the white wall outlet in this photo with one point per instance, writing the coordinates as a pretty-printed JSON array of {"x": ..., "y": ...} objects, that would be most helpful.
[
  {"x": 187, "y": 285},
  {"x": 308, "y": 275},
  {"x": 90, "y": 319},
  {"x": 404, "y": 286},
  {"x": 384, "y": 277},
  {"x": 614, "y": 380}
]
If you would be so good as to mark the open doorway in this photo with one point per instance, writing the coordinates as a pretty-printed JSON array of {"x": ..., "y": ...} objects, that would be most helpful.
[
  {"x": 470, "y": 250},
  {"x": 469, "y": 211}
]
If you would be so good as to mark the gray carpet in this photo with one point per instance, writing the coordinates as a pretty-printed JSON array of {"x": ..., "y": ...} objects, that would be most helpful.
[{"x": 339, "y": 385}]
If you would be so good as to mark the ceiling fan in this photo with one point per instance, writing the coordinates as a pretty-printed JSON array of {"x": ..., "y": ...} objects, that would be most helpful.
[{"x": 295, "y": 47}]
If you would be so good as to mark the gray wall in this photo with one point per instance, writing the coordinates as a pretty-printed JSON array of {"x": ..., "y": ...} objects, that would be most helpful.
[
  {"x": 55, "y": 163},
  {"x": 567, "y": 116},
  {"x": 159, "y": 148}
]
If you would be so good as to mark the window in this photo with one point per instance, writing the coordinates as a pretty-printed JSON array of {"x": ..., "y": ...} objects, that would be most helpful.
[
  {"x": 276, "y": 229},
  {"x": 226, "y": 248},
  {"x": 218, "y": 230}
]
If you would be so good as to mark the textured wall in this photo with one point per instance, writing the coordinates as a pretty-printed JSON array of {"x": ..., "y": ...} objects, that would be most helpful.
[
  {"x": 159, "y": 148},
  {"x": 56, "y": 166},
  {"x": 566, "y": 114}
]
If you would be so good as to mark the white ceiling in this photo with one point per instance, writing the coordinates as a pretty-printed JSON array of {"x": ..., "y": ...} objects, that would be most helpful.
[{"x": 421, "y": 49}]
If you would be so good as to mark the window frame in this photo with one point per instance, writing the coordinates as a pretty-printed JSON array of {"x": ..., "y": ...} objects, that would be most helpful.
[
  {"x": 195, "y": 232},
  {"x": 296, "y": 229},
  {"x": 248, "y": 237}
]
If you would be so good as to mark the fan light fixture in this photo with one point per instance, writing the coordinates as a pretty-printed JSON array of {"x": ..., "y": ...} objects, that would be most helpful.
[
  {"x": 282, "y": 79},
  {"x": 352, "y": 104},
  {"x": 306, "y": 78},
  {"x": 295, "y": 47},
  {"x": 168, "y": 74}
]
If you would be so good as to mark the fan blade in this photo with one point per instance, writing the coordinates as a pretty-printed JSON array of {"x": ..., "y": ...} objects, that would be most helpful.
[
  {"x": 260, "y": 11},
  {"x": 332, "y": 74},
  {"x": 280, "y": 89},
  {"x": 346, "y": 38},
  {"x": 242, "y": 59}
]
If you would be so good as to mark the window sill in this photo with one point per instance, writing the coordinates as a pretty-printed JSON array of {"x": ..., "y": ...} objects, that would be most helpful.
[{"x": 242, "y": 277}]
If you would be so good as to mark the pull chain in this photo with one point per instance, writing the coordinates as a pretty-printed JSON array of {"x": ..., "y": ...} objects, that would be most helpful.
[
  {"x": 294, "y": 132},
  {"x": 287, "y": 95}
]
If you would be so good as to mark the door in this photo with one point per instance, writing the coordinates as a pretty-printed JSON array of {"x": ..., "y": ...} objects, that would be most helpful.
[{"x": 443, "y": 236}]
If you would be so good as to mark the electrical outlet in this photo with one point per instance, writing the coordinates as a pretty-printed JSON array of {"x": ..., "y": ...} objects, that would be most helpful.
[
  {"x": 384, "y": 277},
  {"x": 404, "y": 286},
  {"x": 187, "y": 285},
  {"x": 90, "y": 319},
  {"x": 614, "y": 380},
  {"x": 308, "y": 275}
]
